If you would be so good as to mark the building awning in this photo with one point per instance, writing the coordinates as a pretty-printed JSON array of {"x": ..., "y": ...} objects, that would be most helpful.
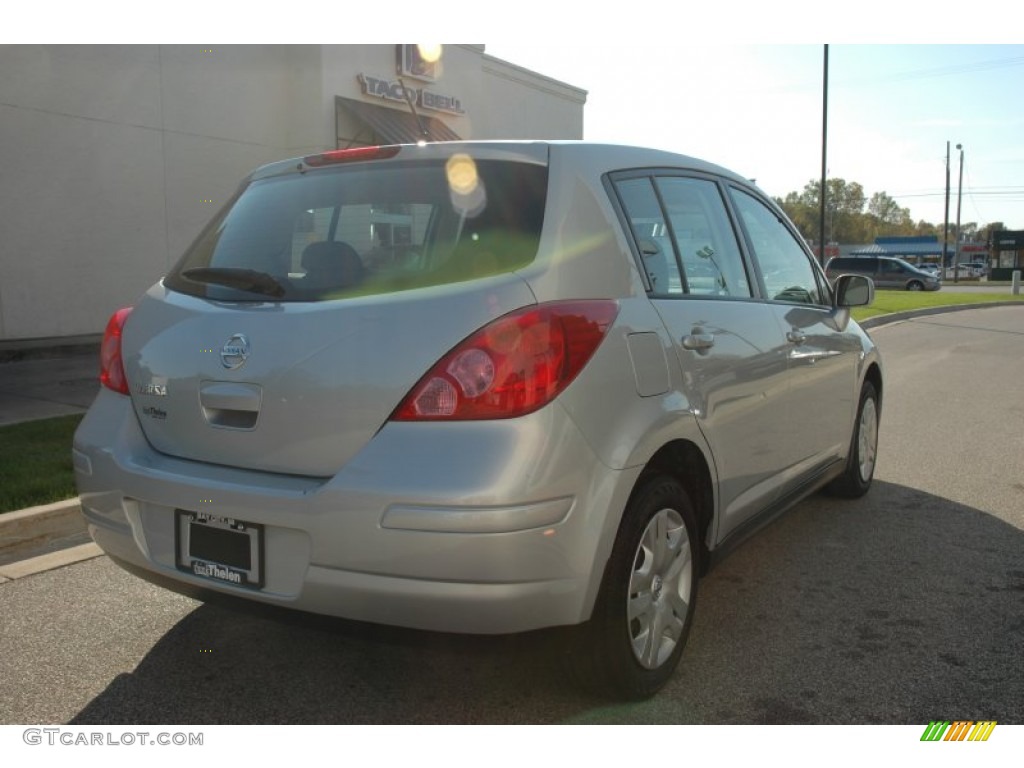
[
  {"x": 397, "y": 126},
  {"x": 901, "y": 249}
]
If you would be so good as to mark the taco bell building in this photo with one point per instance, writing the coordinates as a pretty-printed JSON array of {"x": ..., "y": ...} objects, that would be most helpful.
[{"x": 113, "y": 157}]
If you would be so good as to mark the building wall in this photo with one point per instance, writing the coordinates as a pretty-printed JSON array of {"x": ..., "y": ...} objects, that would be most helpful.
[
  {"x": 114, "y": 157},
  {"x": 531, "y": 106}
]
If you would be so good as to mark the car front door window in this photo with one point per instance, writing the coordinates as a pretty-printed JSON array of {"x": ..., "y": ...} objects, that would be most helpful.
[{"x": 786, "y": 268}]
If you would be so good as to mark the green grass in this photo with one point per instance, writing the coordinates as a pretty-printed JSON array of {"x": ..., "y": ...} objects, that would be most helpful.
[
  {"x": 901, "y": 301},
  {"x": 35, "y": 462}
]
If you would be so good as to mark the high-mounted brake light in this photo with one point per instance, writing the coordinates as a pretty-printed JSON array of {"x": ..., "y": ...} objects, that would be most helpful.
[
  {"x": 512, "y": 366},
  {"x": 357, "y": 154},
  {"x": 112, "y": 373}
]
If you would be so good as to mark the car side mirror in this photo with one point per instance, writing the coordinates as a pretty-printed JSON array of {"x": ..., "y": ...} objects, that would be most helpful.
[{"x": 854, "y": 291}]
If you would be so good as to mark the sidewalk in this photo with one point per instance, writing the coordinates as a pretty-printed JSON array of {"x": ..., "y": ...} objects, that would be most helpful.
[
  {"x": 39, "y": 382},
  {"x": 47, "y": 382}
]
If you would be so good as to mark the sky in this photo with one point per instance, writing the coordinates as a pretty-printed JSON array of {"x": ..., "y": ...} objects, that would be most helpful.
[{"x": 757, "y": 110}]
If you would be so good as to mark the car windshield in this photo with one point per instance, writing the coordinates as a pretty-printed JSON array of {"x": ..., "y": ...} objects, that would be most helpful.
[{"x": 368, "y": 229}]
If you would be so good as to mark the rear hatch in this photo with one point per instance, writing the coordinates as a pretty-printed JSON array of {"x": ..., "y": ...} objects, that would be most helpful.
[{"x": 296, "y": 323}]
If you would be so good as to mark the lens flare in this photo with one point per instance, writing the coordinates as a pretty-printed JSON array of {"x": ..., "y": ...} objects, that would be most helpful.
[
  {"x": 430, "y": 52},
  {"x": 462, "y": 177}
]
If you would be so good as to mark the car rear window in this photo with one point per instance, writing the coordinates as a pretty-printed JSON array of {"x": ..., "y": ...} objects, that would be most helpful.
[{"x": 368, "y": 229}]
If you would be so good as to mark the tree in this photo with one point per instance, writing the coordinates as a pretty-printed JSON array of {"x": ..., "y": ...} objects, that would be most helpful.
[
  {"x": 985, "y": 234},
  {"x": 847, "y": 221},
  {"x": 968, "y": 231},
  {"x": 844, "y": 203},
  {"x": 887, "y": 211},
  {"x": 886, "y": 219},
  {"x": 804, "y": 216}
]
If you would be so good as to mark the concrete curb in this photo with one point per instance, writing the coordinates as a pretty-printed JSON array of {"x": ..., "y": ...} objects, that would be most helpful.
[
  {"x": 49, "y": 561},
  {"x": 896, "y": 317},
  {"x": 31, "y": 528}
]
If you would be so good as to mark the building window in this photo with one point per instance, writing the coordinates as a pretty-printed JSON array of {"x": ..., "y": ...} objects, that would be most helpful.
[{"x": 411, "y": 63}]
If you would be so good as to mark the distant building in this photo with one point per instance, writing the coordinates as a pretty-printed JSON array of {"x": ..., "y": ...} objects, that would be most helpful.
[
  {"x": 916, "y": 250},
  {"x": 925, "y": 249},
  {"x": 1007, "y": 249},
  {"x": 831, "y": 250}
]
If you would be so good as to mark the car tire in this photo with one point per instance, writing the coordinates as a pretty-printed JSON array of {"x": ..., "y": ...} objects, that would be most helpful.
[
  {"x": 915, "y": 285},
  {"x": 860, "y": 463},
  {"x": 635, "y": 637}
]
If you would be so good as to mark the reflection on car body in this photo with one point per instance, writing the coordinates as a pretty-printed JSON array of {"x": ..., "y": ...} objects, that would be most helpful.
[{"x": 885, "y": 272}]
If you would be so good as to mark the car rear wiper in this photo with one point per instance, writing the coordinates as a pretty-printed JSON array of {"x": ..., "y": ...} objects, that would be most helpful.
[{"x": 244, "y": 279}]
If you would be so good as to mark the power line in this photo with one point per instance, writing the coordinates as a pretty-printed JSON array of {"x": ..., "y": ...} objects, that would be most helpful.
[
  {"x": 997, "y": 191},
  {"x": 953, "y": 69}
]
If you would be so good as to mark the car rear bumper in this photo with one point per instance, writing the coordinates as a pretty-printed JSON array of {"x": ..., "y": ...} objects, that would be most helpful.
[{"x": 524, "y": 547}]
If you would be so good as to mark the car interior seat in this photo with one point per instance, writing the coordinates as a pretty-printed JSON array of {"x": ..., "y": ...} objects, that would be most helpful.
[{"x": 331, "y": 265}]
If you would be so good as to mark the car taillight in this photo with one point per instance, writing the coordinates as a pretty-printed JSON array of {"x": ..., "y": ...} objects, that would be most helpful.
[
  {"x": 512, "y": 366},
  {"x": 111, "y": 364},
  {"x": 335, "y": 156}
]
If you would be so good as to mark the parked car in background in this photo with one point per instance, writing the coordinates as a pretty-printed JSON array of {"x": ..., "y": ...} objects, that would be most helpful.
[
  {"x": 885, "y": 271},
  {"x": 968, "y": 271},
  {"x": 585, "y": 371},
  {"x": 931, "y": 268}
]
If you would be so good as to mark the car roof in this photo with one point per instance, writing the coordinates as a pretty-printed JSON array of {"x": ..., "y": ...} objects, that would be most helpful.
[{"x": 597, "y": 157}]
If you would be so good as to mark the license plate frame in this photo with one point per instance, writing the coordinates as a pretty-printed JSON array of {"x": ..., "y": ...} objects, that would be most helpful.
[{"x": 220, "y": 549}]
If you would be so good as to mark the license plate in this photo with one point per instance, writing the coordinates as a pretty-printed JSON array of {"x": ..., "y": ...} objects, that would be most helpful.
[{"x": 219, "y": 548}]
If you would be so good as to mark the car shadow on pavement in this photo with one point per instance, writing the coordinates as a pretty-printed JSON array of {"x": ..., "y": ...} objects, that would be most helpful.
[
  {"x": 232, "y": 665},
  {"x": 901, "y": 608}
]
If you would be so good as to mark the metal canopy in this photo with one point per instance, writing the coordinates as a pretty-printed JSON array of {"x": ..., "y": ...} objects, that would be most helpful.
[{"x": 396, "y": 126}]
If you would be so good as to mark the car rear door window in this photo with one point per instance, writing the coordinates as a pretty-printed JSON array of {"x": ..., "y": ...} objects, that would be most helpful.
[
  {"x": 682, "y": 231},
  {"x": 710, "y": 255}
]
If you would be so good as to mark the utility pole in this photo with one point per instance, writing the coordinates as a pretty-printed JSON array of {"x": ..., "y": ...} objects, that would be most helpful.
[
  {"x": 959, "y": 195},
  {"x": 824, "y": 156},
  {"x": 945, "y": 229}
]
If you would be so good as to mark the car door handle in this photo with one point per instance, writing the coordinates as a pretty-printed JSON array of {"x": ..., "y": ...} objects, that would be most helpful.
[
  {"x": 699, "y": 340},
  {"x": 796, "y": 337}
]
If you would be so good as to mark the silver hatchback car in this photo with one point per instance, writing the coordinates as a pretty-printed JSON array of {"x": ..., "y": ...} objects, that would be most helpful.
[{"x": 479, "y": 387}]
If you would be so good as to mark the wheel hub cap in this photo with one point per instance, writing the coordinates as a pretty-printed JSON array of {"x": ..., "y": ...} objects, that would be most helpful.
[
  {"x": 660, "y": 589},
  {"x": 867, "y": 443}
]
